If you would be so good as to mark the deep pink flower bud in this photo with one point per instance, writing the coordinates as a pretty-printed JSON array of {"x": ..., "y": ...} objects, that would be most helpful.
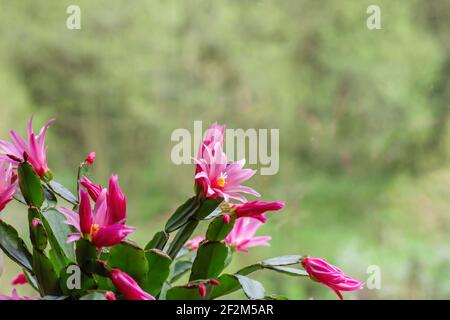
[
  {"x": 19, "y": 280},
  {"x": 128, "y": 287},
  {"x": 90, "y": 158},
  {"x": 226, "y": 218},
  {"x": 256, "y": 209},
  {"x": 85, "y": 213},
  {"x": 202, "y": 289},
  {"x": 94, "y": 190},
  {"x": 329, "y": 275},
  {"x": 35, "y": 222},
  {"x": 214, "y": 282},
  {"x": 109, "y": 295},
  {"x": 117, "y": 204}
]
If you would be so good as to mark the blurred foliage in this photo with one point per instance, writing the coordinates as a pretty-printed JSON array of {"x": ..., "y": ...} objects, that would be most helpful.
[{"x": 363, "y": 117}]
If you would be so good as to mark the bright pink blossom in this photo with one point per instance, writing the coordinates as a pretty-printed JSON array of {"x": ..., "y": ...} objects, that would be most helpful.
[
  {"x": 329, "y": 275},
  {"x": 19, "y": 280},
  {"x": 90, "y": 158},
  {"x": 128, "y": 286},
  {"x": 256, "y": 209},
  {"x": 15, "y": 296},
  {"x": 93, "y": 189},
  {"x": 194, "y": 243},
  {"x": 33, "y": 146},
  {"x": 214, "y": 135},
  {"x": 105, "y": 227},
  {"x": 243, "y": 237},
  {"x": 219, "y": 178},
  {"x": 8, "y": 184}
]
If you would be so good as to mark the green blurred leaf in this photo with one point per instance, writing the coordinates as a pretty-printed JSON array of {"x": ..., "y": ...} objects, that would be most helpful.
[
  {"x": 158, "y": 270},
  {"x": 14, "y": 247},
  {"x": 50, "y": 197},
  {"x": 45, "y": 274},
  {"x": 131, "y": 259},
  {"x": 63, "y": 192},
  {"x": 210, "y": 260},
  {"x": 94, "y": 296},
  {"x": 282, "y": 260},
  {"x": 86, "y": 252},
  {"x": 58, "y": 231},
  {"x": 30, "y": 185},
  {"x": 228, "y": 284},
  {"x": 183, "y": 293},
  {"x": 252, "y": 288},
  {"x": 180, "y": 268},
  {"x": 218, "y": 229},
  {"x": 158, "y": 241},
  {"x": 289, "y": 271},
  {"x": 182, "y": 214}
]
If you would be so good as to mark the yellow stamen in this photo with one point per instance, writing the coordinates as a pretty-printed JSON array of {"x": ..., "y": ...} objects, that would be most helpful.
[
  {"x": 221, "y": 181},
  {"x": 94, "y": 228}
]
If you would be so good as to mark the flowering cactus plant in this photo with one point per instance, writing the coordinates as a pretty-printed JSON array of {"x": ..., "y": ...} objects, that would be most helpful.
[{"x": 83, "y": 250}]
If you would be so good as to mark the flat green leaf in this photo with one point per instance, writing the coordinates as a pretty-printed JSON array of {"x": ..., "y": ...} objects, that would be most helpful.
[
  {"x": 63, "y": 192},
  {"x": 58, "y": 231},
  {"x": 183, "y": 293},
  {"x": 74, "y": 282},
  {"x": 282, "y": 260},
  {"x": 252, "y": 288},
  {"x": 228, "y": 284},
  {"x": 289, "y": 271},
  {"x": 158, "y": 270},
  {"x": 207, "y": 207},
  {"x": 210, "y": 260},
  {"x": 94, "y": 296},
  {"x": 131, "y": 259},
  {"x": 50, "y": 197},
  {"x": 218, "y": 229},
  {"x": 30, "y": 185},
  {"x": 45, "y": 275},
  {"x": 19, "y": 196},
  {"x": 86, "y": 252},
  {"x": 14, "y": 247},
  {"x": 182, "y": 215},
  {"x": 217, "y": 212},
  {"x": 158, "y": 241}
]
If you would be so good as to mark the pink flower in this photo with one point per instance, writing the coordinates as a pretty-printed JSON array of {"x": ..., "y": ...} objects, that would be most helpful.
[
  {"x": 35, "y": 148},
  {"x": 105, "y": 227},
  {"x": 90, "y": 158},
  {"x": 194, "y": 243},
  {"x": 329, "y": 275},
  {"x": 19, "y": 280},
  {"x": 111, "y": 296},
  {"x": 8, "y": 184},
  {"x": 15, "y": 296},
  {"x": 128, "y": 287},
  {"x": 93, "y": 189},
  {"x": 219, "y": 179},
  {"x": 242, "y": 236},
  {"x": 214, "y": 135},
  {"x": 256, "y": 209}
]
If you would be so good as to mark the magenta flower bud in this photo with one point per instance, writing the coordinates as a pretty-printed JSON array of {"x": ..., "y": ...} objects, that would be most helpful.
[
  {"x": 226, "y": 218},
  {"x": 214, "y": 282},
  {"x": 330, "y": 276},
  {"x": 256, "y": 209},
  {"x": 202, "y": 289},
  {"x": 34, "y": 147},
  {"x": 111, "y": 296},
  {"x": 94, "y": 190},
  {"x": 90, "y": 158},
  {"x": 85, "y": 213},
  {"x": 128, "y": 287},
  {"x": 117, "y": 204},
  {"x": 35, "y": 222},
  {"x": 19, "y": 280}
]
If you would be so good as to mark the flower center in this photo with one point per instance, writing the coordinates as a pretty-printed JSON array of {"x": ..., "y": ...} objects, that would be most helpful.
[
  {"x": 221, "y": 180},
  {"x": 94, "y": 228}
]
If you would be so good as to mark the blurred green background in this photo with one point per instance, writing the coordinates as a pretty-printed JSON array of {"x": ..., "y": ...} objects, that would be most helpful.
[{"x": 363, "y": 118}]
